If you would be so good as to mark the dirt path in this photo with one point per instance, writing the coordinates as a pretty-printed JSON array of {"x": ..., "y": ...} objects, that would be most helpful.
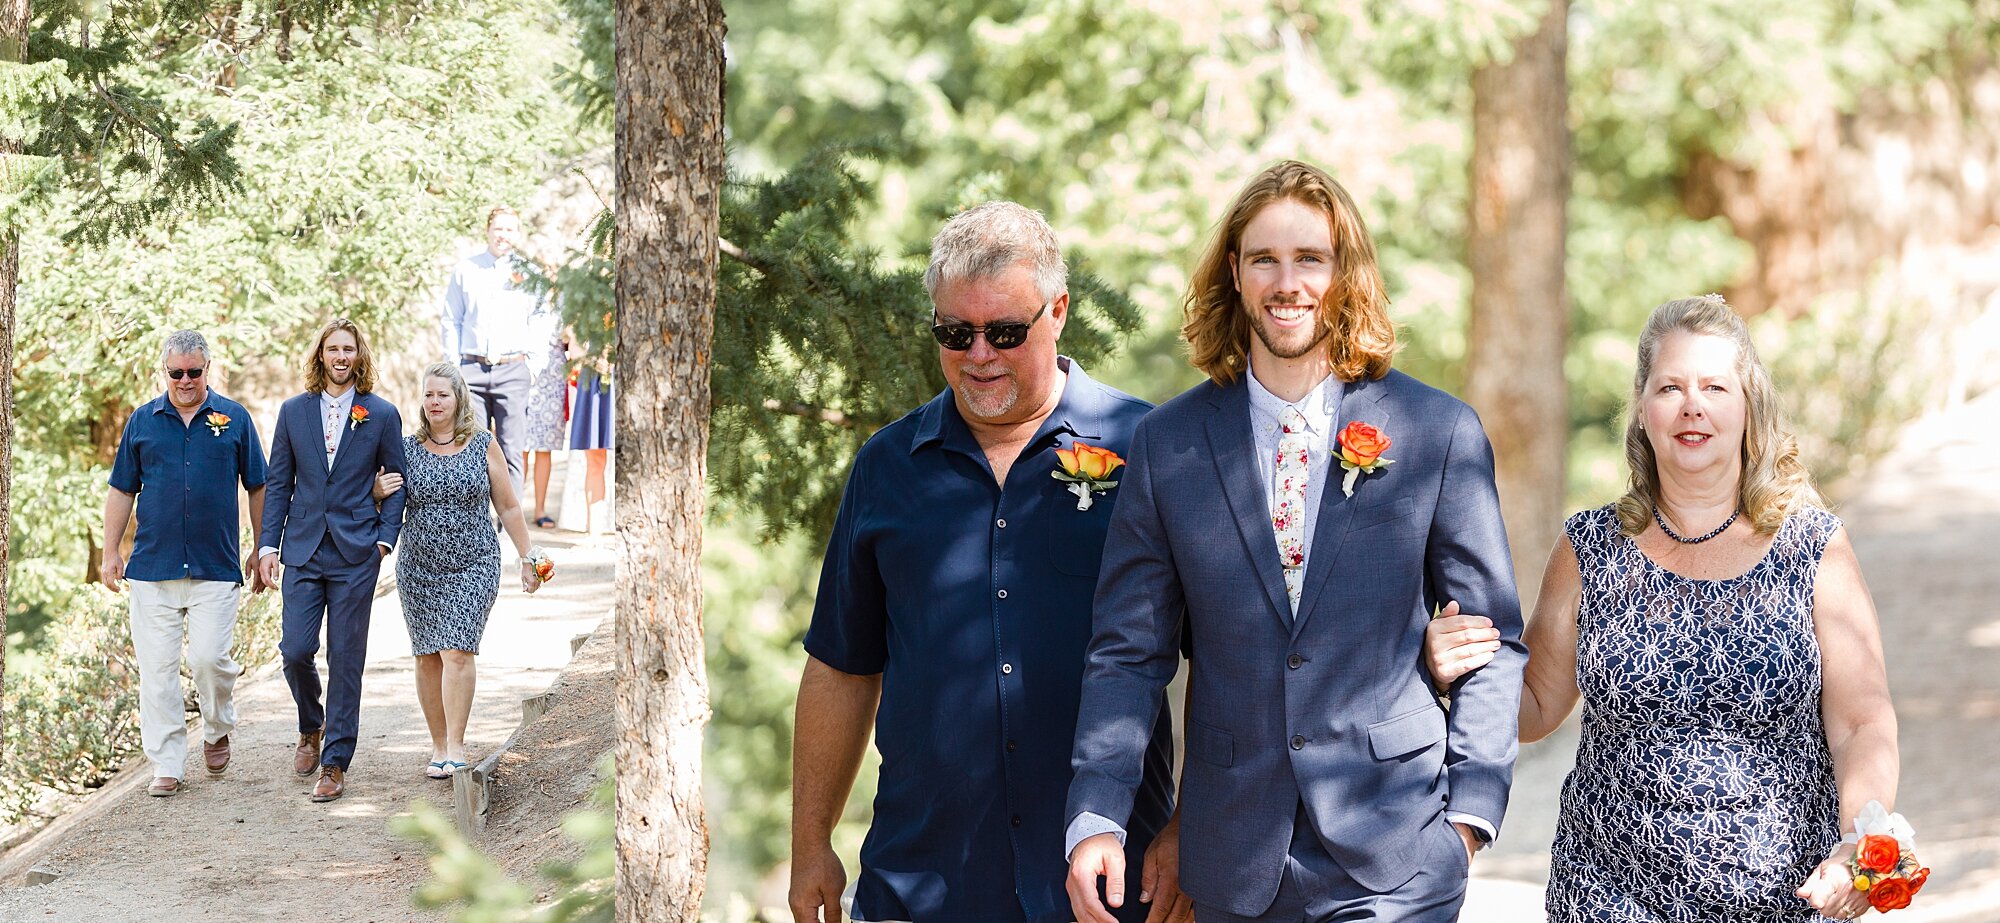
[
  {"x": 251, "y": 846},
  {"x": 1926, "y": 524}
]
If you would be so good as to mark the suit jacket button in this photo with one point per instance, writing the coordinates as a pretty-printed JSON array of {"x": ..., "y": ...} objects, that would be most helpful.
[
  {"x": 1298, "y": 742},
  {"x": 1294, "y": 661}
]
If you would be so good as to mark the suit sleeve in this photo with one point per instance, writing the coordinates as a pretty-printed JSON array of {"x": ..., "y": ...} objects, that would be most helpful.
[
  {"x": 1467, "y": 560},
  {"x": 278, "y": 484},
  {"x": 1134, "y": 649},
  {"x": 389, "y": 456}
]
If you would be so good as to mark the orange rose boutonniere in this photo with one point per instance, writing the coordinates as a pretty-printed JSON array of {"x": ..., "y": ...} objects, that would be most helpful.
[
  {"x": 217, "y": 422},
  {"x": 356, "y": 417},
  {"x": 1361, "y": 448},
  {"x": 1087, "y": 469}
]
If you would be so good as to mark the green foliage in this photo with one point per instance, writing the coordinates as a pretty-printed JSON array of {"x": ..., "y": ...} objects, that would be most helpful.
[
  {"x": 128, "y": 157},
  {"x": 757, "y": 599},
  {"x": 592, "y": 81},
  {"x": 480, "y": 891}
]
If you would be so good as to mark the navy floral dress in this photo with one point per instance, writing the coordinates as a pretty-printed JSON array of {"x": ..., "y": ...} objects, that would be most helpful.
[
  {"x": 448, "y": 563},
  {"x": 1703, "y": 789}
]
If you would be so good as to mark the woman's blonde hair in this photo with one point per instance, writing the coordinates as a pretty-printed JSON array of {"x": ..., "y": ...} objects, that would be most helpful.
[
  {"x": 1354, "y": 318},
  {"x": 1775, "y": 482},
  {"x": 364, "y": 361},
  {"x": 466, "y": 422}
]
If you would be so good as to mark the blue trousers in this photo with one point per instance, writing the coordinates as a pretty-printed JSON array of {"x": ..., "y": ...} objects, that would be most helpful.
[
  {"x": 327, "y": 590},
  {"x": 1316, "y": 890}
]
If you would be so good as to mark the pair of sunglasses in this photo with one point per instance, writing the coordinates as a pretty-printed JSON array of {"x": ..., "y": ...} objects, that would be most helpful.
[
  {"x": 178, "y": 374},
  {"x": 958, "y": 337}
]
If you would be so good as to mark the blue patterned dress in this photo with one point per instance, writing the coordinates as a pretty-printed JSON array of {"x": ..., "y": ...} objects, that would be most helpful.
[
  {"x": 1703, "y": 789},
  {"x": 448, "y": 562}
]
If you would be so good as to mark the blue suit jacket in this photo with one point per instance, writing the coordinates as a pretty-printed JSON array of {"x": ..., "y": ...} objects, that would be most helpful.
[
  {"x": 304, "y": 501},
  {"x": 1330, "y": 708}
]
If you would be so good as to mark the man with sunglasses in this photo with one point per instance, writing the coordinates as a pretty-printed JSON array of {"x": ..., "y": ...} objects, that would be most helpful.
[
  {"x": 954, "y": 608},
  {"x": 180, "y": 459}
]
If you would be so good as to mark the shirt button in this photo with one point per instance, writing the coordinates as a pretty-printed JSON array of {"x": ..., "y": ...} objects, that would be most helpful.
[
  {"x": 1298, "y": 742},
  {"x": 1003, "y": 594},
  {"x": 1006, "y": 668},
  {"x": 1016, "y": 821},
  {"x": 1294, "y": 661},
  {"x": 1002, "y": 523},
  {"x": 1010, "y": 746}
]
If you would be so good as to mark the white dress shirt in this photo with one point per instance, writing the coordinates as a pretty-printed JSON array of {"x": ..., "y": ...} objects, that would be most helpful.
[{"x": 484, "y": 313}]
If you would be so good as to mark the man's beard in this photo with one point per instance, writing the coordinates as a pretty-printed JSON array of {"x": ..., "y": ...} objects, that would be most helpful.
[
  {"x": 987, "y": 405},
  {"x": 1302, "y": 342}
]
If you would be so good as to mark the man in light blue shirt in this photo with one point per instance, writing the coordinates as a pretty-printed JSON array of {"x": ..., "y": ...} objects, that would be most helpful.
[{"x": 484, "y": 328}]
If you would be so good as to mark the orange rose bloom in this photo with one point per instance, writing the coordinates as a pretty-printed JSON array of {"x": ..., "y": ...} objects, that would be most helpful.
[
  {"x": 1879, "y": 853},
  {"x": 218, "y": 419},
  {"x": 1890, "y": 894},
  {"x": 359, "y": 414},
  {"x": 1088, "y": 461},
  {"x": 1917, "y": 880},
  {"x": 1361, "y": 444}
]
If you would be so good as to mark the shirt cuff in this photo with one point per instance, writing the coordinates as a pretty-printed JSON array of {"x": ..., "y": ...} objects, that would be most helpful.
[
  {"x": 1087, "y": 825},
  {"x": 386, "y": 547},
  {"x": 1479, "y": 825},
  {"x": 261, "y": 552}
]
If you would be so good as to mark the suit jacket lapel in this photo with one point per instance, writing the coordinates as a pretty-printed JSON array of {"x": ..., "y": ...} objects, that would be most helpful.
[
  {"x": 313, "y": 419},
  {"x": 1234, "y": 450},
  {"x": 1363, "y": 402}
]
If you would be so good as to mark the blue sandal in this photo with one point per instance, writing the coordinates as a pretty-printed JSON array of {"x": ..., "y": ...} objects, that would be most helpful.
[{"x": 438, "y": 769}]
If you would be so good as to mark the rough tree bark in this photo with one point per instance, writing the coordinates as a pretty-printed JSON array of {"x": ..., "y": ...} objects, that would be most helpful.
[
  {"x": 1520, "y": 306},
  {"x": 670, "y": 168},
  {"x": 13, "y": 49}
]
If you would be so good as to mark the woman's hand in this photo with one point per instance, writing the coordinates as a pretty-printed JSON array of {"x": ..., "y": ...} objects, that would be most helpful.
[
  {"x": 386, "y": 482},
  {"x": 1830, "y": 888},
  {"x": 529, "y": 582}
]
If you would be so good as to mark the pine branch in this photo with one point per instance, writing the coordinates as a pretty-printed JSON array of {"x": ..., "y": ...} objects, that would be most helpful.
[{"x": 821, "y": 414}]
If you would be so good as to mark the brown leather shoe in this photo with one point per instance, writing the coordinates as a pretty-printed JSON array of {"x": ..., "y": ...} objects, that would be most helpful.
[
  {"x": 331, "y": 784},
  {"x": 216, "y": 755},
  {"x": 306, "y": 756},
  {"x": 164, "y": 787}
]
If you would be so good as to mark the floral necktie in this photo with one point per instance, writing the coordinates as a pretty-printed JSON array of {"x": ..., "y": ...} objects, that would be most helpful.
[
  {"x": 331, "y": 430},
  {"x": 1288, "y": 515}
]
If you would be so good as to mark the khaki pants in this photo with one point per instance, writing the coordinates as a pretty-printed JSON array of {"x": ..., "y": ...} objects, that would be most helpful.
[{"x": 164, "y": 612}]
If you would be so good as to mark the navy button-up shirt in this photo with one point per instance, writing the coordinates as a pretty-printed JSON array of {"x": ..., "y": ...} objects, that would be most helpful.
[
  {"x": 185, "y": 477},
  {"x": 974, "y": 603}
]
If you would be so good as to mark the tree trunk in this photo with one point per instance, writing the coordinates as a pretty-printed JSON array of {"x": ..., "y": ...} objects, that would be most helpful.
[
  {"x": 13, "y": 49},
  {"x": 670, "y": 167},
  {"x": 1520, "y": 308}
]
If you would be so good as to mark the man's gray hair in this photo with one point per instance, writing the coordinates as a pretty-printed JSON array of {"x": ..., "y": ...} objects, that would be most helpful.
[
  {"x": 184, "y": 343},
  {"x": 987, "y": 240}
]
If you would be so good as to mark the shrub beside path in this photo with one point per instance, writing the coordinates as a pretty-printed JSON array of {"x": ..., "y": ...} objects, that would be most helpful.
[
  {"x": 250, "y": 845},
  {"x": 1925, "y": 521}
]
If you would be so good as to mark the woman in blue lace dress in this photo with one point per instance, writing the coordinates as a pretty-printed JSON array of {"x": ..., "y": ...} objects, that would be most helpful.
[
  {"x": 1715, "y": 625},
  {"x": 448, "y": 563}
]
